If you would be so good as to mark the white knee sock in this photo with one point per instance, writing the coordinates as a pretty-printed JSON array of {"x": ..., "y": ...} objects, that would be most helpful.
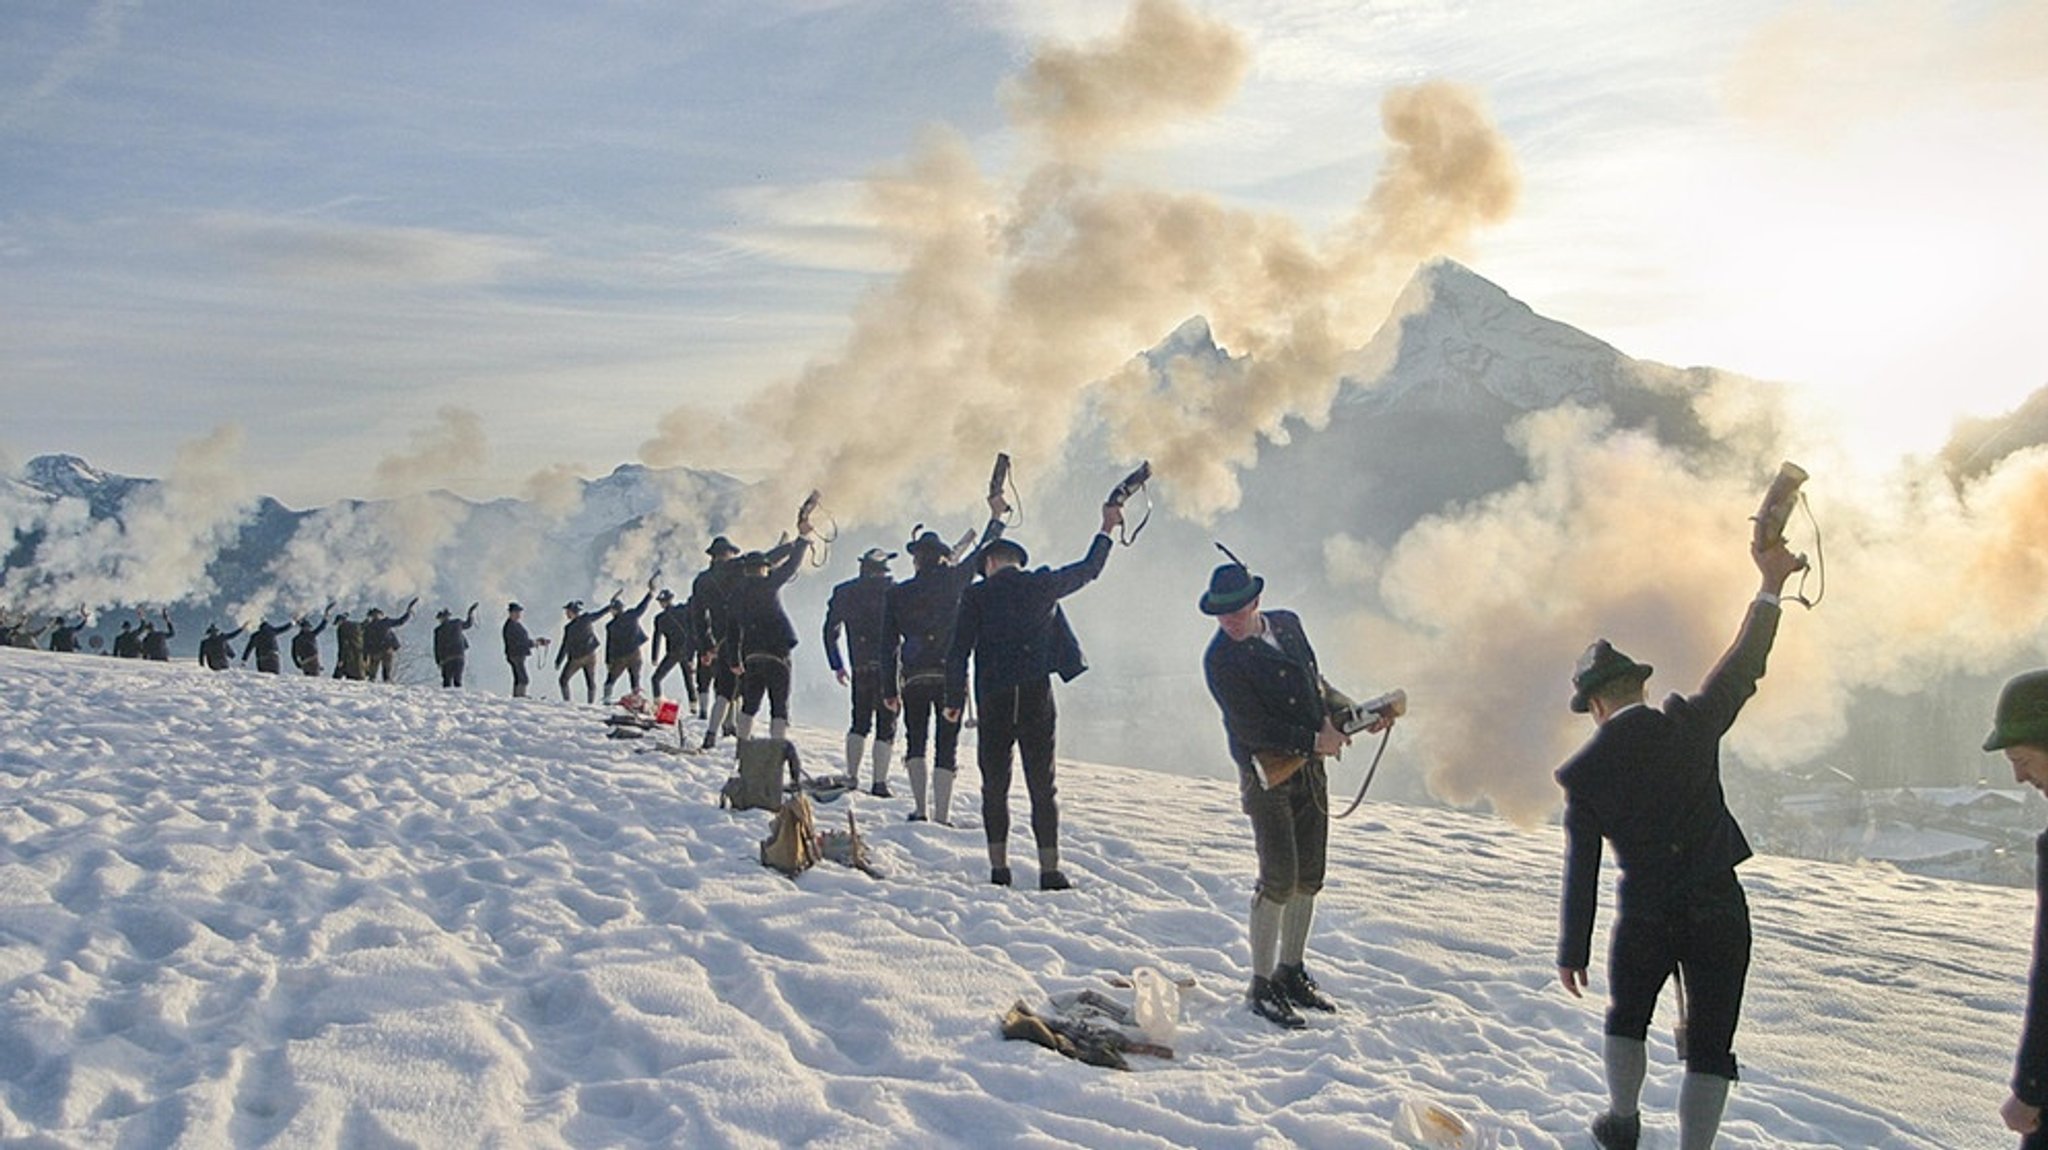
[
  {"x": 882, "y": 753},
  {"x": 856, "y": 746},
  {"x": 1701, "y": 1098},
  {"x": 1294, "y": 924},
  {"x": 1626, "y": 1061},
  {"x": 918, "y": 778},
  {"x": 1266, "y": 916}
]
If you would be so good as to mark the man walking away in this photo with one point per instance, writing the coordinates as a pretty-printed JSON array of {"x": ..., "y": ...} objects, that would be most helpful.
[
  {"x": 1012, "y": 627},
  {"x": 1649, "y": 782}
]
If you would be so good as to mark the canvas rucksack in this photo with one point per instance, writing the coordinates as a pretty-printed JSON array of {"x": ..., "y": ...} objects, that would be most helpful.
[
  {"x": 792, "y": 843},
  {"x": 758, "y": 783}
]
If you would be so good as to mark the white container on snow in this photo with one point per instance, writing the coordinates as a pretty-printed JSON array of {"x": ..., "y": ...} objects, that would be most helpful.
[{"x": 1156, "y": 1004}]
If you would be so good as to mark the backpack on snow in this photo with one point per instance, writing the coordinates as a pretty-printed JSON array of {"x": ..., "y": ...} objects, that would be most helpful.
[
  {"x": 792, "y": 843},
  {"x": 758, "y": 783}
]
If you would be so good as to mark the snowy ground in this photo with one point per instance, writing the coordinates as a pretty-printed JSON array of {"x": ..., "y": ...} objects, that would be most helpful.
[{"x": 238, "y": 910}]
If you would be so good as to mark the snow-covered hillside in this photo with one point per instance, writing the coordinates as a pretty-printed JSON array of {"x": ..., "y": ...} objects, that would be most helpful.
[{"x": 242, "y": 910}]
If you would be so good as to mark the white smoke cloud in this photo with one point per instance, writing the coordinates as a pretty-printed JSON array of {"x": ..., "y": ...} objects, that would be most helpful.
[
  {"x": 1023, "y": 301},
  {"x": 156, "y": 552}
]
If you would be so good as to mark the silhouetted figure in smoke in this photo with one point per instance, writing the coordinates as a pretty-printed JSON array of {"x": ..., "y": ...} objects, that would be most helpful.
[
  {"x": 306, "y": 643},
  {"x": 917, "y": 634},
  {"x": 214, "y": 648},
  {"x": 710, "y": 593},
  {"x": 128, "y": 642},
  {"x": 623, "y": 639},
  {"x": 518, "y": 645},
  {"x": 451, "y": 646},
  {"x": 380, "y": 640},
  {"x": 579, "y": 648},
  {"x": 348, "y": 647},
  {"x": 857, "y": 606},
  {"x": 156, "y": 642},
  {"x": 759, "y": 636},
  {"x": 263, "y": 644},
  {"x": 64, "y": 636},
  {"x": 672, "y": 646},
  {"x": 1012, "y": 627}
]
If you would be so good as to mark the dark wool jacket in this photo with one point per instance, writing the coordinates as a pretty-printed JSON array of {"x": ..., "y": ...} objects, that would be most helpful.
[
  {"x": 449, "y": 641},
  {"x": 348, "y": 639},
  {"x": 64, "y": 636},
  {"x": 381, "y": 635},
  {"x": 579, "y": 636},
  {"x": 672, "y": 634},
  {"x": 155, "y": 645},
  {"x": 263, "y": 642},
  {"x": 920, "y": 612},
  {"x": 1272, "y": 698},
  {"x": 213, "y": 650},
  {"x": 128, "y": 644},
  {"x": 756, "y": 624},
  {"x": 306, "y": 644},
  {"x": 1649, "y": 781},
  {"x": 1012, "y": 626},
  {"x": 710, "y": 602},
  {"x": 518, "y": 644},
  {"x": 860, "y": 606},
  {"x": 622, "y": 636},
  {"x": 2030, "y": 1069}
]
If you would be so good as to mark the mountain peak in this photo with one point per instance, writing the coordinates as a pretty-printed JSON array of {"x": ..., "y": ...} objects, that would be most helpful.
[
  {"x": 1456, "y": 340},
  {"x": 65, "y": 475}
]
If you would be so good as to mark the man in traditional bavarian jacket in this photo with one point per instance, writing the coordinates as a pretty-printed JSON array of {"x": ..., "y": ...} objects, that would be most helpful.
[
  {"x": 1012, "y": 628},
  {"x": 1277, "y": 710},
  {"x": 857, "y": 606},
  {"x": 709, "y": 604},
  {"x": 1649, "y": 781},
  {"x": 2019, "y": 728},
  {"x": 917, "y": 634}
]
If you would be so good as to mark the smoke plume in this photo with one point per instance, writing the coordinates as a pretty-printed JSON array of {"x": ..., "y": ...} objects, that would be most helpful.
[
  {"x": 1022, "y": 302},
  {"x": 156, "y": 552},
  {"x": 1482, "y": 610}
]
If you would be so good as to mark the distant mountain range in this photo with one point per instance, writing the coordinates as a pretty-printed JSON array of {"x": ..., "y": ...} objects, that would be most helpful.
[{"x": 1420, "y": 424}]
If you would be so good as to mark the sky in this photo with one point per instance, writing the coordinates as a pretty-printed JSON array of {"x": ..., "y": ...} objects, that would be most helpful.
[
  {"x": 359, "y": 233},
  {"x": 310, "y": 913}
]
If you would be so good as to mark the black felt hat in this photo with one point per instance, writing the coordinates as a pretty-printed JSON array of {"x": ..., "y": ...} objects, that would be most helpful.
[
  {"x": 1599, "y": 666},
  {"x": 721, "y": 546},
  {"x": 928, "y": 543},
  {"x": 1231, "y": 586}
]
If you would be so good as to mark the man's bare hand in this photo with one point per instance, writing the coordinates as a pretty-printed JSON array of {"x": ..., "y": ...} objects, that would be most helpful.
[{"x": 1573, "y": 979}]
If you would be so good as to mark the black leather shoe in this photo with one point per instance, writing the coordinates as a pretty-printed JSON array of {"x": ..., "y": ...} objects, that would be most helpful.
[
  {"x": 1616, "y": 1133},
  {"x": 1268, "y": 1002},
  {"x": 1301, "y": 990},
  {"x": 1054, "y": 880},
  {"x": 999, "y": 875}
]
